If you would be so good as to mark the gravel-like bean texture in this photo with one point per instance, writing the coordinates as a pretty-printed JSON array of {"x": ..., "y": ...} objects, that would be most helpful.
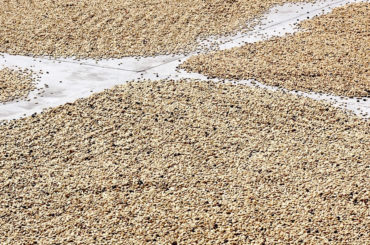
[
  {"x": 331, "y": 55},
  {"x": 117, "y": 28},
  {"x": 185, "y": 162},
  {"x": 15, "y": 84}
]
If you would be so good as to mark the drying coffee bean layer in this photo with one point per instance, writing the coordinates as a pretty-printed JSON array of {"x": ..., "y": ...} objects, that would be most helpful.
[
  {"x": 330, "y": 56},
  {"x": 116, "y": 28},
  {"x": 15, "y": 84},
  {"x": 185, "y": 162}
]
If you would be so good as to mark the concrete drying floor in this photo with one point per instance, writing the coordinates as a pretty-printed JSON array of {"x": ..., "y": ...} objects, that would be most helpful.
[{"x": 65, "y": 80}]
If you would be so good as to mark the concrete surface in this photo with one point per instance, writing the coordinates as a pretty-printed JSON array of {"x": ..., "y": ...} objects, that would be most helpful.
[{"x": 69, "y": 79}]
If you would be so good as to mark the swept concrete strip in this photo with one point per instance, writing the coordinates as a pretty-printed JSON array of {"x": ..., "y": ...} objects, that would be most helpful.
[{"x": 68, "y": 79}]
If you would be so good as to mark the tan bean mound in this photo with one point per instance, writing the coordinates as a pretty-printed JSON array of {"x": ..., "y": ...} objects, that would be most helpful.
[
  {"x": 330, "y": 56},
  {"x": 15, "y": 84},
  {"x": 185, "y": 163},
  {"x": 117, "y": 28}
]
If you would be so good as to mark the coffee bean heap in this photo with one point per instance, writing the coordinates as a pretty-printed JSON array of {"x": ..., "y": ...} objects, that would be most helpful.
[
  {"x": 15, "y": 84},
  {"x": 116, "y": 28},
  {"x": 330, "y": 55},
  {"x": 185, "y": 162}
]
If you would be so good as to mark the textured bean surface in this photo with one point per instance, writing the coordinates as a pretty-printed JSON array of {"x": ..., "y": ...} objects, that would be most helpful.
[
  {"x": 15, "y": 84},
  {"x": 117, "y": 28},
  {"x": 185, "y": 162},
  {"x": 330, "y": 55}
]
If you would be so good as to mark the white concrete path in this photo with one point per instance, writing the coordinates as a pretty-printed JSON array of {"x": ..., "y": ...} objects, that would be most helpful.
[{"x": 68, "y": 79}]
